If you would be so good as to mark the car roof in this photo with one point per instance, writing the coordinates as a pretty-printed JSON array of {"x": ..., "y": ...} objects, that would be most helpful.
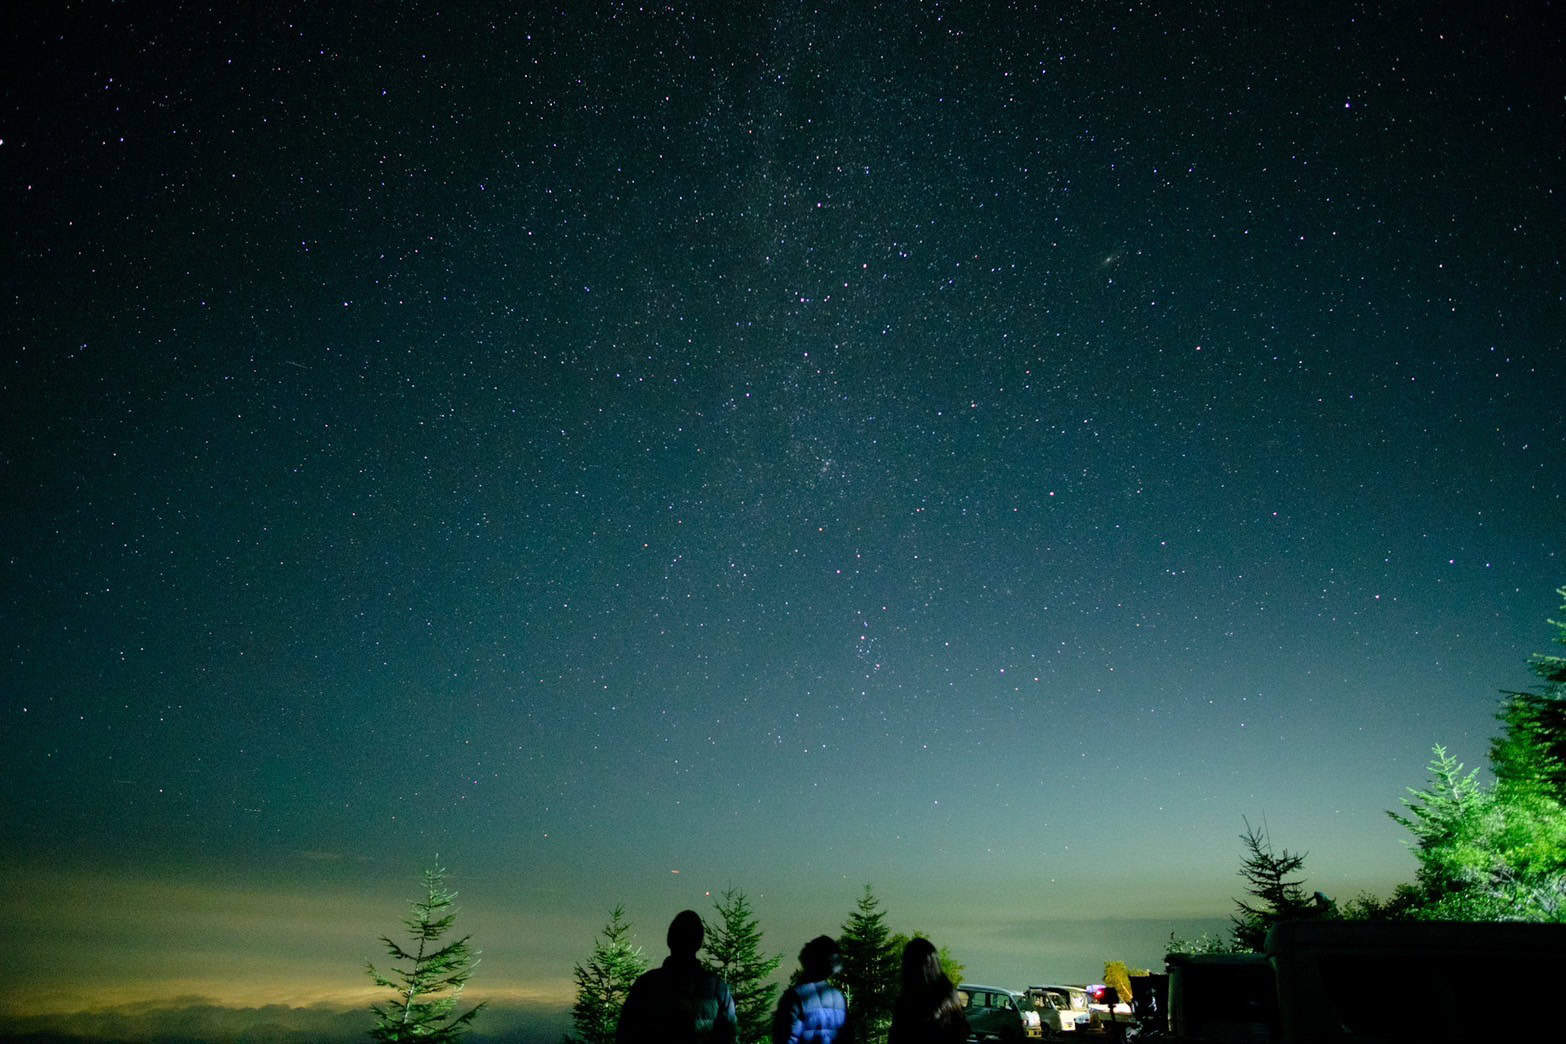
[{"x": 971, "y": 987}]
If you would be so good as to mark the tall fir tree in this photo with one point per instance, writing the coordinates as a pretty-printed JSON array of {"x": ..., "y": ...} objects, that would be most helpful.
[
  {"x": 429, "y": 976},
  {"x": 1530, "y": 753},
  {"x": 870, "y": 969},
  {"x": 1452, "y": 819},
  {"x": 734, "y": 955},
  {"x": 1496, "y": 852},
  {"x": 1484, "y": 853},
  {"x": 1529, "y": 761},
  {"x": 1278, "y": 894},
  {"x": 603, "y": 983}
]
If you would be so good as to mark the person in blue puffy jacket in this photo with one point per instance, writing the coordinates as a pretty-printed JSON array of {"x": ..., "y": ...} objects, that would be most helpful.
[{"x": 814, "y": 1012}]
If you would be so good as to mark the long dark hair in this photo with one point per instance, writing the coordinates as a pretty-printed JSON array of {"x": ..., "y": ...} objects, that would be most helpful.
[
  {"x": 922, "y": 967},
  {"x": 928, "y": 995}
]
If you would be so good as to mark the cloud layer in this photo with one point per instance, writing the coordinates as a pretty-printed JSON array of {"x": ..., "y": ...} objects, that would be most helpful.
[{"x": 194, "y": 1019}]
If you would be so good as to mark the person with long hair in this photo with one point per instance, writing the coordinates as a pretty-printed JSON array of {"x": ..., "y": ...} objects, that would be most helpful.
[{"x": 928, "y": 1010}]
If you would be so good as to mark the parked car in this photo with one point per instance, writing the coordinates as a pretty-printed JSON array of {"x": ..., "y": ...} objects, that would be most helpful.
[
  {"x": 1062, "y": 1009},
  {"x": 1032, "y": 1021},
  {"x": 993, "y": 1014}
]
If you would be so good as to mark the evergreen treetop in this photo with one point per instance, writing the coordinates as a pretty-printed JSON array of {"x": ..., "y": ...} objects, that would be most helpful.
[
  {"x": 1496, "y": 852},
  {"x": 603, "y": 983},
  {"x": 430, "y": 976},
  {"x": 870, "y": 967},
  {"x": 734, "y": 955},
  {"x": 1271, "y": 882},
  {"x": 1530, "y": 753}
]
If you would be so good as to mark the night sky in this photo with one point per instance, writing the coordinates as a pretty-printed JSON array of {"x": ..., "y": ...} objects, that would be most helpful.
[{"x": 986, "y": 451}]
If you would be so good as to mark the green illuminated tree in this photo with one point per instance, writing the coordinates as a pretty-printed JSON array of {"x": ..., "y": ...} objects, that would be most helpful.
[
  {"x": 1452, "y": 819},
  {"x": 870, "y": 967},
  {"x": 1497, "y": 852},
  {"x": 429, "y": 975},
  {"x": 734, "y": 955},
  {"x": 1484, "y": 854},
  {"x": 1527, "y": 878},
  {"x": 1530, "y": 753},
  {"x": 603, "y": 983}
]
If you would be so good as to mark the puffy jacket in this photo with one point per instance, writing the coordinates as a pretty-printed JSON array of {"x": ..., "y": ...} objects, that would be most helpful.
[
  {"x": 678, "y": 1003},
  {"x": 811, "y": 1013}
]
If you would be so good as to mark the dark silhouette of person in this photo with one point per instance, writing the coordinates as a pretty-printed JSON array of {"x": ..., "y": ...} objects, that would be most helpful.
[
  {"x": 928, "y": 1010},
  {"x": 679, "y": 1002},
  {"x": 815, "y": 1011},
  {"x": 1112, "y": 1025}
]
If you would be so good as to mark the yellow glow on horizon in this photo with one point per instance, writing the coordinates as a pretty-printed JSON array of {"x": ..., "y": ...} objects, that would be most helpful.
[
  {"x": 133, "y": 998},
  {"x": 96, "y": 942}
]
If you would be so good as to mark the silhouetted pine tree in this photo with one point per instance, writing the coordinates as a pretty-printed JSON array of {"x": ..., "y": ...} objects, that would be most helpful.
[
  {"x": 1269, "y": 875},
  {"x": 603, "y": 983},
  {"x": 430, "y": 979},
  {"x": 734, "y": 955}
]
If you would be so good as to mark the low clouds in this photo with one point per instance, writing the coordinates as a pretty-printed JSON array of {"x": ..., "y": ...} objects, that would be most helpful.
[{"x": 197, "y": 1019}]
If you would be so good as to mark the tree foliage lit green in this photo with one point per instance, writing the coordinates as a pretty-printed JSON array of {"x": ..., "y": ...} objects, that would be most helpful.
[
  {"x": 429, "y": 976},
  {"x": 1493, "y": 852},
  {"x": 870, "y": 967},
  {"x": 872, "y": 964},
  {"x": 1530, "y": 753},
  {"x": 1496, "y": 852},
  {"x": 603, "y": 983},
  {"x": 734, "y": 954}
]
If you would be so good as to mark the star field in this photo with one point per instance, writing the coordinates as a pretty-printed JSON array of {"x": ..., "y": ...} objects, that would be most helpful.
[{"x": 981, "y": 449}]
